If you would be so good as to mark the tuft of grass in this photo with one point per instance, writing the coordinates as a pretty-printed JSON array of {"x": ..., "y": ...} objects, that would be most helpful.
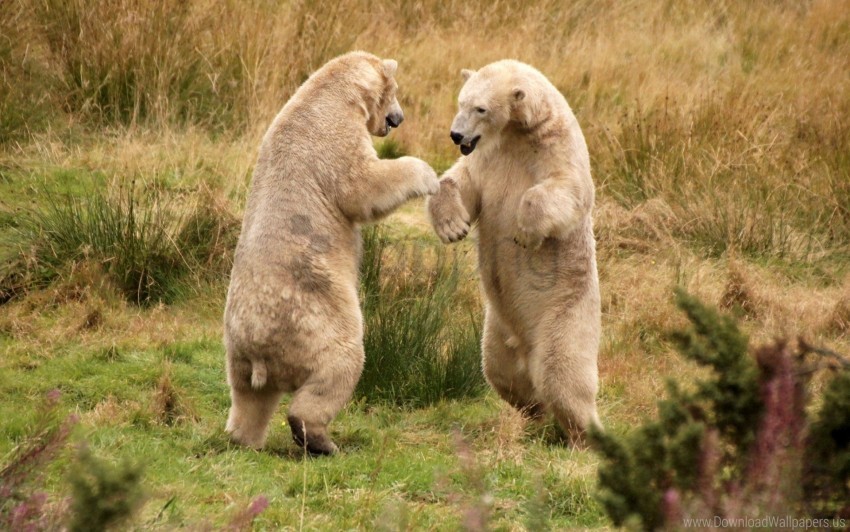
[
  {"x": 390, "y": 149},
  {"x": 208, "y": 234},
  {"x": 420, "y": 347},
  {"x": 129, "y": 236},
  {"x": 169, "y": 403},
  {"x": 139, "y": 240}
]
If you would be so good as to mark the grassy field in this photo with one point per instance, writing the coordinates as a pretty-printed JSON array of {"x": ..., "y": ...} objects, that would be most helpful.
[{"x": 719, "y": 134}]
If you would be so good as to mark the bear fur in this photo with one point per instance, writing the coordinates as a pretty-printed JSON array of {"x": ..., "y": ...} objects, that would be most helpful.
[
  {"x": 525, "y": 179},
  {"x": 292, "y": 321}
]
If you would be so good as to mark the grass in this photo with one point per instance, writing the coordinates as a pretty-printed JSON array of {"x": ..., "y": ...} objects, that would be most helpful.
[
  {"x": 396, "y": 461},
  {"x": 718, "y": 133},
  {"x": 422, "y": 341},
  {"x": 135, "y": 238}
]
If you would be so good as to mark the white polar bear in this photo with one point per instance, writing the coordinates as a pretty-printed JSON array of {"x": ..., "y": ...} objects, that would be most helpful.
[
  {"x": 292, "y": 320},
  {"x": 525, "y": 178}
]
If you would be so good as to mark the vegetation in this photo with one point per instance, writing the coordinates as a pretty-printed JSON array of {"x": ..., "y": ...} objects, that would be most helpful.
[
  {"x": 136, "y": 239},
  {"x": 421, "y": 347},
  {"x": 719, "y": 134},
  {"x": 736, "y": 447}
]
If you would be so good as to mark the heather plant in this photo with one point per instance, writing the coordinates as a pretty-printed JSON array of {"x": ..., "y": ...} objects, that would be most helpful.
[
  {"x": 104, "y": 495},
  {"x": 826, "y": 469},
  {"x": 734, "y": 445},
  {"x": 23, "y": 504}
]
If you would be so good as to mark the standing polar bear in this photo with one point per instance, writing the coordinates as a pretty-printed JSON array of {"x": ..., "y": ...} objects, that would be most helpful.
[
  {"x": 292, "y": 322},
  {"x": 525, "y": 179}
]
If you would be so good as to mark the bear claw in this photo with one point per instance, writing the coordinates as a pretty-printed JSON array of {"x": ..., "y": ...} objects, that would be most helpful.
[{"x": 317, "y": 444}]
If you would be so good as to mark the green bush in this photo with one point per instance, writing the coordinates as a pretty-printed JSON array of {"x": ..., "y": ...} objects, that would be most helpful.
[
  {"x": 735, "y": 445},
  {"x": 103, "y": 494},
  {"x": 827, "y": 459},
  {"x": 420, "y": 347}
]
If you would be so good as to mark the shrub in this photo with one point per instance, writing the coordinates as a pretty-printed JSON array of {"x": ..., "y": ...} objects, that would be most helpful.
[
  {"x": 103, "y": 494},
  {"x": 827, "y": 458},
  {"x": 420, "y": 349},
  {"x": 22, "y": 505},
  {"x": 735, "y": 446}
]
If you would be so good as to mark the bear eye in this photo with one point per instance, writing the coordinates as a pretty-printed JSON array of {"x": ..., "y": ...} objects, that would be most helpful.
[{"x": 481, "y": 110}]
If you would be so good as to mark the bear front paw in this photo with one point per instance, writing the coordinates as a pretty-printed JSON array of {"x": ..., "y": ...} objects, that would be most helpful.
[
  {"x": 528, "y": 239},
  {"x": 425, "y": 182},
  {"x": 532, "y": 226},
  {"x": 431, "y": 183},
  {"x": 448, "y": 215},
  {"x": 451, "y": 231}
]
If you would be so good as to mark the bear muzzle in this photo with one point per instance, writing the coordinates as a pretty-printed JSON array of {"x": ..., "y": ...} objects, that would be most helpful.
[
  {"x": 467, "y": 147},
  {"x": 394, "y": 120}
]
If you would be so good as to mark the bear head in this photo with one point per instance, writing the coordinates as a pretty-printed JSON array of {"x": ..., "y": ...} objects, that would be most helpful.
[
  {"x": 375, "y": 90},
  {"x": 502, "y": 94}
]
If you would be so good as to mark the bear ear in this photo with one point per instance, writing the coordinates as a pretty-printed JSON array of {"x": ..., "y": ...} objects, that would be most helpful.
[
  {"x": 466, "y": 74},
  {"x": 390, "y": 67},
  {"x": 521, "y": 108}
]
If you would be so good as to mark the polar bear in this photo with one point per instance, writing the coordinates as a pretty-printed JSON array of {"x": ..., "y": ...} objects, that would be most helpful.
[
  {"x": 525, "y": 179},
  {"x": 292, "y": 321}
]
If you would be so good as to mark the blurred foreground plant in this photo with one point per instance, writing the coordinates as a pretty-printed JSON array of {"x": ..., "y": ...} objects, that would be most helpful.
[{"x": 740, "y": 444}]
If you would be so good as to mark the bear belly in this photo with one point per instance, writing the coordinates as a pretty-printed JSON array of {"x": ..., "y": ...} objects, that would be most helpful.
[{"x": 523, "y": 285}]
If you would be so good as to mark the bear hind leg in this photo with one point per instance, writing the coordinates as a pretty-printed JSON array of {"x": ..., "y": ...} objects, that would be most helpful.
[
  {"x": 317, "y": 402},
  {"x": 250, "y": 414},
  {"x": 568, "y": 378},
  {"x": 505, "y": 367}
]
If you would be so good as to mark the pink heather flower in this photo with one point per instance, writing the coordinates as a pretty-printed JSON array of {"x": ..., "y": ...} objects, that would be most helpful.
[{"x": 258, "y": 505}]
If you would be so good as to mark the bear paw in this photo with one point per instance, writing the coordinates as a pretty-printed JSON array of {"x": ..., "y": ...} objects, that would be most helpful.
[
  {"x": 448, "y": 215},
  {"x": 531, "y": 219},
  {"x": 452, "y": 231},
  {"x": 425, "y": 182},
  {"x": 528, "y": 239},
  {"x": 316, "y": 444}
]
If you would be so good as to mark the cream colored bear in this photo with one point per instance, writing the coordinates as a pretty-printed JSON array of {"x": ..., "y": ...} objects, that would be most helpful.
[
  {"x": 292, "y": 322},
  {"x": 525, "y": 178}
]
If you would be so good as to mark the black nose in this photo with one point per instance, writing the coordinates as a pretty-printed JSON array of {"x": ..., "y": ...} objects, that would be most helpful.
[
  {"x": 456, "y": 137},
  {"x": 395, "y": 119}
]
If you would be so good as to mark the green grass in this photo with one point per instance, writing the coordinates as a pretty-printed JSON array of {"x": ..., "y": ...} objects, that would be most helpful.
[
  {"x": 422, "y": 340},
  {"x": 139, "y": 239},
  {"x": 397, "y": 465}
]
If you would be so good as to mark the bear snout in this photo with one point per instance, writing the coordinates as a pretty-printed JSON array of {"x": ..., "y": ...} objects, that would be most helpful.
[
  {"x": 395, "y": 119},
  {"x": 467, "y": 147}
]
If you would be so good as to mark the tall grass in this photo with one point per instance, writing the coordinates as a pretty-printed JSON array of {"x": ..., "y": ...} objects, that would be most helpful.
[
  {"x": 142, "y": 242},
  {"x": 735, "y": 115},
  {"x": 215, "y": 64},
  {"x": 422, "y": 345},
  {"x": 734, "y": 173},
  {"x": 25, "y": 90}
]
